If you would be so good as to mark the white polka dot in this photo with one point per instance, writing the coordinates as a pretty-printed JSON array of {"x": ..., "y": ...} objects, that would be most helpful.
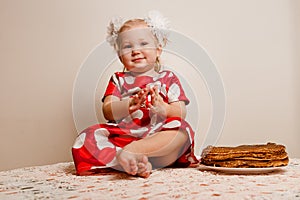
[
  {"x": 171, "y": 74},
  {"x": 172, "y": 124},
  {"x": 115, "y": 80},
  {"x": 112, "y": 163},
  {"x": 101, "y": 137},
  {"x": 134, "y": 90},
  {"x": 112, "y": 124},
  {"x": 159, "y": 76},
  {"x": 129, "y": 79},
  {"x": 153, "y": 129},
  {"x": 79, "y": 141},
  {"x": 174, "y": 92},
  {"x": 138, "y": 114},
  {"x": 121, "y": 81},
  {"x": 163, "y": 90},
  {"x": 150, "y": 85},
  {"x": 157, "y": 83},
  {"x": 138, "y": 132}
]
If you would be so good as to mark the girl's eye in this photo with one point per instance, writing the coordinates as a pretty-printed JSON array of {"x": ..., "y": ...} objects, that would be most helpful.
[
  {"x": 144, "y": 43},
  {"x": 127, "y": 46}
]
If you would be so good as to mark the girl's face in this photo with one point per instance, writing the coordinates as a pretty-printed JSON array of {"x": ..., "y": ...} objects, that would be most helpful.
[{"x": 138, "y": 49}]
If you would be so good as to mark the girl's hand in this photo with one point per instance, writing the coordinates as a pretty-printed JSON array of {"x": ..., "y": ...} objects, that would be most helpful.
[
  {"x": 137, "y": 100},
  {"x": 157, "y": 106}
]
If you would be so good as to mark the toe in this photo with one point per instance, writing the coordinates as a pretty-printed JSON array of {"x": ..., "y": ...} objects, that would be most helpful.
[
  {"x": 133, "y": 167},
  {"x": 146, "y": 173},
  {"x": 141, "y": 167}
]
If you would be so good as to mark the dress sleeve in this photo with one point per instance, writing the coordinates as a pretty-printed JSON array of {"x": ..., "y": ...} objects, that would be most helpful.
[
  {"x": 113, "y": 87},
  {"x": 175, "y": 90}
]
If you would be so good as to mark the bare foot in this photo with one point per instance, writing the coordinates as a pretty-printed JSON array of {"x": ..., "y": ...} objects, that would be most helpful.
[
  {"x": 144, "y": 170},
  {"x": 129, "y": 161}
]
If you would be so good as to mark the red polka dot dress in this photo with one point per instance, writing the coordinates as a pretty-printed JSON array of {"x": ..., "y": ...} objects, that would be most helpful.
[{"x": 97, "y": 145}]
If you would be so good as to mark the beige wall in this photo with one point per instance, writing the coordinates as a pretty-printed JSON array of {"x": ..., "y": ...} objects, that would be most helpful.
[{"x": 254, "y": 43}]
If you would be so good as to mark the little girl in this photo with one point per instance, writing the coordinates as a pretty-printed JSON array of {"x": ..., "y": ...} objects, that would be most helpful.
[{"x": 144, "y": 106}]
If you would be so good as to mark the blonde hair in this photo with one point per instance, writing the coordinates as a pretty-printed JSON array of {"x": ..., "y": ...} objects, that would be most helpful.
[{"x": 132, "y": 23}]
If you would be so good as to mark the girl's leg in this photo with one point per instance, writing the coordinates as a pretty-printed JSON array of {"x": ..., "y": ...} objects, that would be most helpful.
[
  {"x": 159, "y": 144},
  {"x": 163, "y": 148}
]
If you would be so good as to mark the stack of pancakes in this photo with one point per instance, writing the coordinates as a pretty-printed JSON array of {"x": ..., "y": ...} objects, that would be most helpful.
[{"x": 246, "y": 156}]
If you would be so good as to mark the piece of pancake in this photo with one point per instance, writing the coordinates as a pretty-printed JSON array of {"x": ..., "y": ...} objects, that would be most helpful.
[{"x": 246, "y": 156}]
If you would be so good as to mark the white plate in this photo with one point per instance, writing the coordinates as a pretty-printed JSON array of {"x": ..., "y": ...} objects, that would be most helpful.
[{"x": 229, "y": 170}]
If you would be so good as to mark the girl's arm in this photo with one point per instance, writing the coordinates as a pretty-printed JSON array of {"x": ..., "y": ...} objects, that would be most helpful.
[
  {"x": 175, "y": 109},
  {"x": 114, "y": 108}
]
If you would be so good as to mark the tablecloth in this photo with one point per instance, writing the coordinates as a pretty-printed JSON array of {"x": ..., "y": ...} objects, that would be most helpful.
[{"x": 58, "y": 181}]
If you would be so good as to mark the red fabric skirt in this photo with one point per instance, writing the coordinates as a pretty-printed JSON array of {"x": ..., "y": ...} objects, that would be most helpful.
[{"x": 97, "y": 146}]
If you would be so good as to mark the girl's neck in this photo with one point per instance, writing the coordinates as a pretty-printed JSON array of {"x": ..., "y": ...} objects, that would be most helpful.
[{"x": 151, "y": 73}]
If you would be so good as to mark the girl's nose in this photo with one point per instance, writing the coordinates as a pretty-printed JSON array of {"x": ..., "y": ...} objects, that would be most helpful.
[{"x": 135, "y": 51}]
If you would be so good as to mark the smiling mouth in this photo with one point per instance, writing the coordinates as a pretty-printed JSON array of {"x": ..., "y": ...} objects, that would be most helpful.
[{"x": 137, "y": 59}]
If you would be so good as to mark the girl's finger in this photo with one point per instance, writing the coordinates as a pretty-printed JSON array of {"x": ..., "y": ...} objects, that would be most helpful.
[
  {"x": 153, "y": 99},
  {"x": 156, "y": 89}
]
